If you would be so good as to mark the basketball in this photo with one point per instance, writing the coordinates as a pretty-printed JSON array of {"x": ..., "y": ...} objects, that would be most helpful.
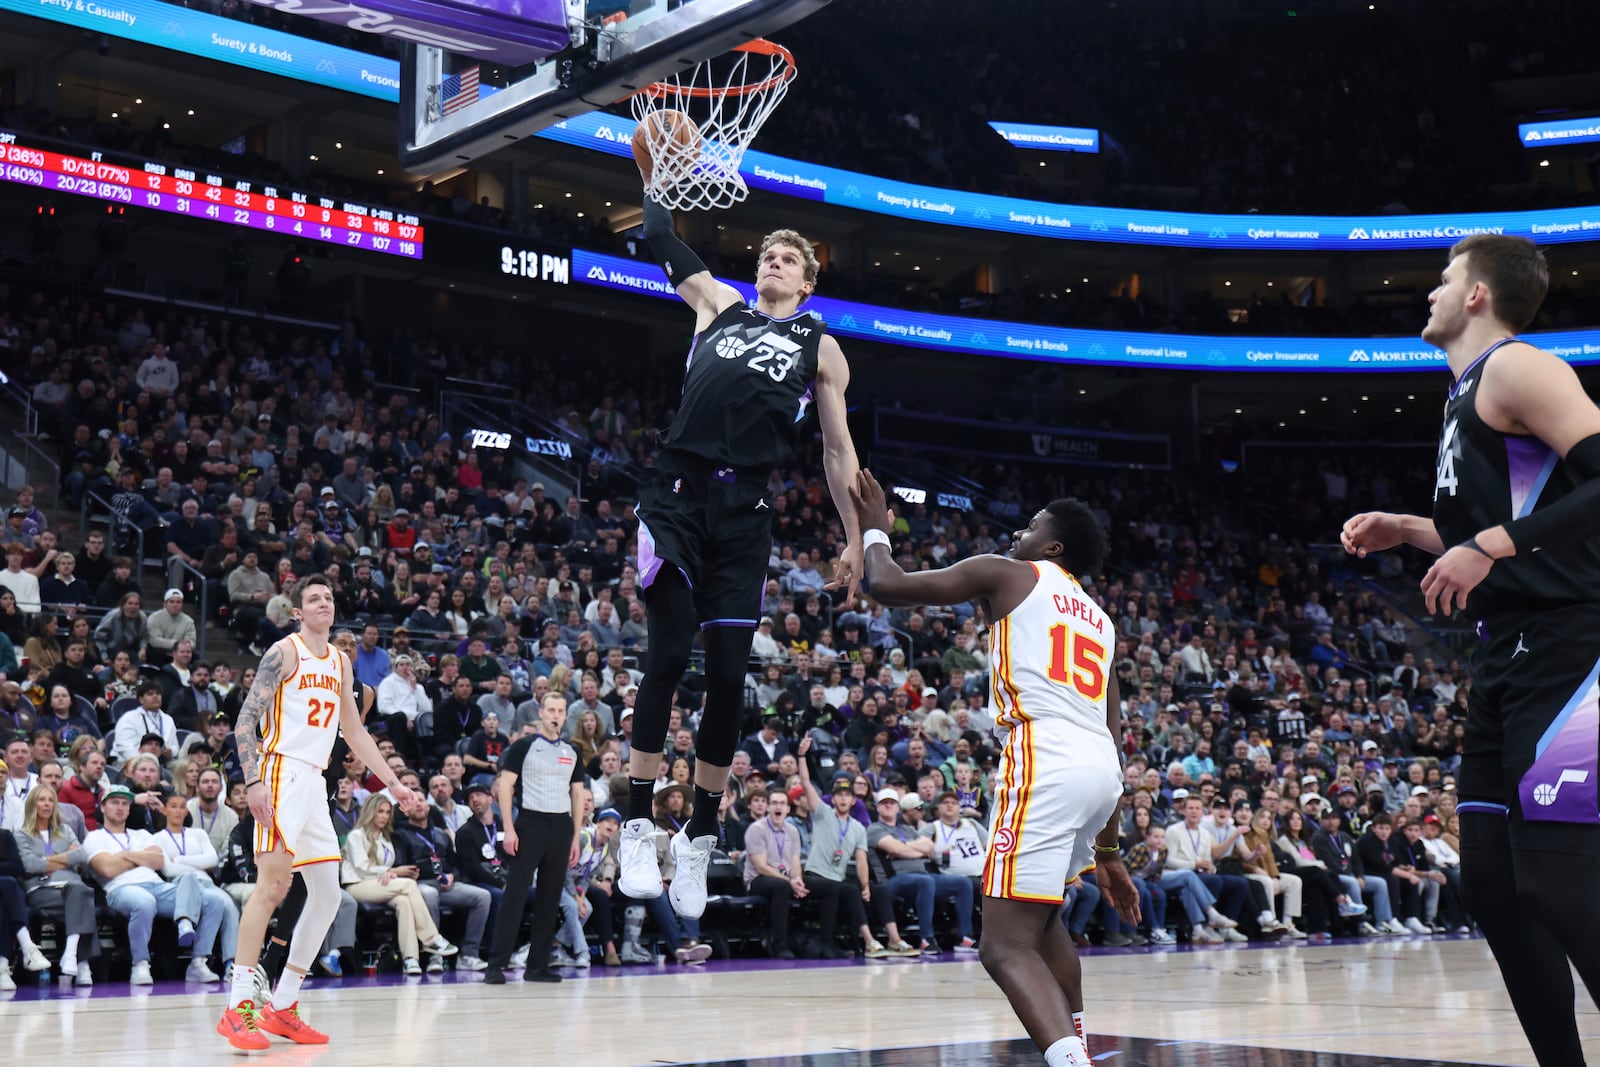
[{"x": 670, "y": 134}]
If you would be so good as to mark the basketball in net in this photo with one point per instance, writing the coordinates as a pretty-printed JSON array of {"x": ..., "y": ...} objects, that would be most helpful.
[{"x": 694, "y": 127}]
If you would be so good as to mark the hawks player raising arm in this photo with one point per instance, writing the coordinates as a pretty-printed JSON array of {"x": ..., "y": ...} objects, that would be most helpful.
[{"x": 999, "y": 584}]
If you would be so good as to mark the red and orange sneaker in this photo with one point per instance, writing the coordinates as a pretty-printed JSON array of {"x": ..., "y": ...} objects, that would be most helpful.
[
  {"x": 287, "y": 1023},
  {"x": 238, "y": 1025}
]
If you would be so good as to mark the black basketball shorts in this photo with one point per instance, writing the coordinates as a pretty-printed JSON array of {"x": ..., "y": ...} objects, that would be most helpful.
[
  {"x": 714, "y": 524},
  {"x": 1533, "y": 721}
]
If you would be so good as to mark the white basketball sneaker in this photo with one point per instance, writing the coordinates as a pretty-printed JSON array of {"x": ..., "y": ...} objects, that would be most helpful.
[
  {"x": 641, "y": 873},
  {"x": 688, "y": 889}
]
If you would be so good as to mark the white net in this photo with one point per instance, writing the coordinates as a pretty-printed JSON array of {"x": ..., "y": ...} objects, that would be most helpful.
[{"x": 697, "y": 124}]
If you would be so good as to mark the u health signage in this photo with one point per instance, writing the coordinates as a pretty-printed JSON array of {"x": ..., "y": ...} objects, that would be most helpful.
[
  {"x": 1084, "y": 448},
  {"x": 1048, "y": 138},
  {"x": 229, "y": 41}
]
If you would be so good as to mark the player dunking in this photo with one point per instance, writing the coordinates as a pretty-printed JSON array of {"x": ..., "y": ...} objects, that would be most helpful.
[
  {"x": 705, "y": 520},
  {"x": 1060, "y": 774},
  {"x": 302, "y": 697},
  {"x": 1516, "y": 527}
]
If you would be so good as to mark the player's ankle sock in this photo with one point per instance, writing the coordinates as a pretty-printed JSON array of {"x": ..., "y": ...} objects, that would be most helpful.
[
  {"x": 641, "y": 800},
  {"x": 243, "y": 985},
  {"x": 703, "y": 823},
  {"x": 1077, "y": 1024},
  {"x": 288, "y": 991},
  {"x": 1065, "y": 1052}
]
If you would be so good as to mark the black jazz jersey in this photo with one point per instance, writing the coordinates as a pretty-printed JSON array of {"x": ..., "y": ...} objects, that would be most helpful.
[
  {"x": 748, "y": 388},
  {"x": 1487, "y": 478}
]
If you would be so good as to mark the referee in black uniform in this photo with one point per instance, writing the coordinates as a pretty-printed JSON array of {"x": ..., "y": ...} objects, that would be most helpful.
[{"x": 543, "y": 838}]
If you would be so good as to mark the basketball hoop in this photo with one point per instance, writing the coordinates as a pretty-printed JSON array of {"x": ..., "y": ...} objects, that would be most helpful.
[{"x": 727, "y": 98}]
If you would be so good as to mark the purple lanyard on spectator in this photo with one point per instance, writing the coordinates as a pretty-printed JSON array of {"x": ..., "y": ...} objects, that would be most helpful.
[
  {"x": 348, "y": 820},
  {"x": 781, "y": 839},
  {"x": 948, "y": 836},
  {"x": 49, "y": 844},
  {"x": 427, "y": 843},
  {"x": 127, "y": 839},
  {"x": 386, "y": 853},
  {"x": 1194, "y": 840},
  {"x": 183, "y": 849},
  {"x": 206, "y": 826},
  {"x": 19, "y": 793}
]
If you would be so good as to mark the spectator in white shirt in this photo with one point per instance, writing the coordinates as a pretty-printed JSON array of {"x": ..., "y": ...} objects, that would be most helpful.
[
  {"x": 147, "y": 718},
  {"x": 188, "y": 848},
  {"x": 764, "y": 648},
  {"x": 401, "y": 698},
  {"x": 214, "y": 818},
  {"x": 18, "y": 782},
  {"x": 1194, "y": 658},
  {"x": 128, "y": 863},
  {"x": 158, "y": 374},
  {"x": 24, "y": 586}
]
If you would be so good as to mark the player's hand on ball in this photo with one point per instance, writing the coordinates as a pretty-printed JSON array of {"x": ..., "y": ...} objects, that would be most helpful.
[{"x": 1371, "y": 531}]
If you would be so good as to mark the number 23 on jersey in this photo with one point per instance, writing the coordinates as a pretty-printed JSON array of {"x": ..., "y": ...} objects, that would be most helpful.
[{"x": 1078, "y": 660}]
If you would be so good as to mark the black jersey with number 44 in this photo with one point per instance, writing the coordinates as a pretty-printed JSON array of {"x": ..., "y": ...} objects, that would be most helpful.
[
  {"x": 748, "y": 388},
  {"x": 1486, "y": 478}
]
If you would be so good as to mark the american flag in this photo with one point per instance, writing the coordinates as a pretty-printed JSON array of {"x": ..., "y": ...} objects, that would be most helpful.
[{"x": 458, "y": 90}]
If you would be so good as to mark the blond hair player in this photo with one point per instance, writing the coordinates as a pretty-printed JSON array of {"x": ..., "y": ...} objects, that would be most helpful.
[
  {"x": 302, "y": 697},
  {"x": 1060, "y": 774}
]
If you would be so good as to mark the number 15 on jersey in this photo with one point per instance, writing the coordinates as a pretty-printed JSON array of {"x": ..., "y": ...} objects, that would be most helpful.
[{"x": 1078, "y": 660}]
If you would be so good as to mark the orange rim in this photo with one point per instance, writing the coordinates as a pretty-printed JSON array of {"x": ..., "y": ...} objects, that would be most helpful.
[{"x": 760, "y": 47}]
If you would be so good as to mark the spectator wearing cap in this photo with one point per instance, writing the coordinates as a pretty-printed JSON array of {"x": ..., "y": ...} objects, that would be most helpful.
[
  {"x": 1383, "y": 858},
  {"x": 401, "y": 700},
  {"x": 594, "y": 878},
  {"x": 136, "y": 723},
  {"x": 1337, "y": 851},
  {"x": 836, "y": 870},
  {"x": 902, "y": 864},
  {"x": 129, "y": 864},
  {"x": 764, "y": 648},
  {"x": 1346, "y": 803},
  {"x": 168, "y": 626}
]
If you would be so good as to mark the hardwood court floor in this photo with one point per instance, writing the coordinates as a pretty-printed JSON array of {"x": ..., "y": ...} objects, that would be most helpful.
[{"x": 1402, "y": 1002}]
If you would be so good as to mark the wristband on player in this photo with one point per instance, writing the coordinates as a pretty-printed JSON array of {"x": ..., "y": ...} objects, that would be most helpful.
[
  {"x": 1107, "y": 850},
  {"x": 257, "y": 781},
  {"x": 874, "y": 537}
]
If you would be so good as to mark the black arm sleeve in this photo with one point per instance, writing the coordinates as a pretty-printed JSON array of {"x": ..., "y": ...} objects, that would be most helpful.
[
  {"x": 1572, "y": 519},
  {"x": 675, "y": 257}
]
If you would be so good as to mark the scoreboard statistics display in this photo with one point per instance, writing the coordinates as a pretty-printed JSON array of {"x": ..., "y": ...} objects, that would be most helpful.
[{"x": 196, "y": 194}]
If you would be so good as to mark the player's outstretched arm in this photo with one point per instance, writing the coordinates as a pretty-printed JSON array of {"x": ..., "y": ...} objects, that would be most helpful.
[
  {"x": 1379, "y": 531},
  {"x": 689, "y": 276},
  {"x": 361, "y": 742},
  {"x": 839, "y": 460},
  {"x": 994, "y": 579}
]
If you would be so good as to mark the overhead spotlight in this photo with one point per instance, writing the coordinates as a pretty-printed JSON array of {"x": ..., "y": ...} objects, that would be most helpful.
[
  {"x": 380, "y": 170},
  {"x": 1544, "y": 162},
  {"x": 338, "y": 144},
  {"x": 191, "y": 112}
]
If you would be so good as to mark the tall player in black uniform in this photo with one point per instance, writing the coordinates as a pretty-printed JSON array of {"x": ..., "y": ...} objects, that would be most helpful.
[
  {"x": 705, "y": 521},
  {"x": 1516, "y": 526}
]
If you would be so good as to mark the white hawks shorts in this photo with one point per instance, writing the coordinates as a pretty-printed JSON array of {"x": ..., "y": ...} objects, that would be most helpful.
[
  {"x": 1049, "y": 807},
  {"x": 300, "y": 819}
]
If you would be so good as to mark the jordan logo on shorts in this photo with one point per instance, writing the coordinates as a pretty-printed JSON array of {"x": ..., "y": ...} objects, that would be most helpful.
[{"x": 1521, "y": 648}]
